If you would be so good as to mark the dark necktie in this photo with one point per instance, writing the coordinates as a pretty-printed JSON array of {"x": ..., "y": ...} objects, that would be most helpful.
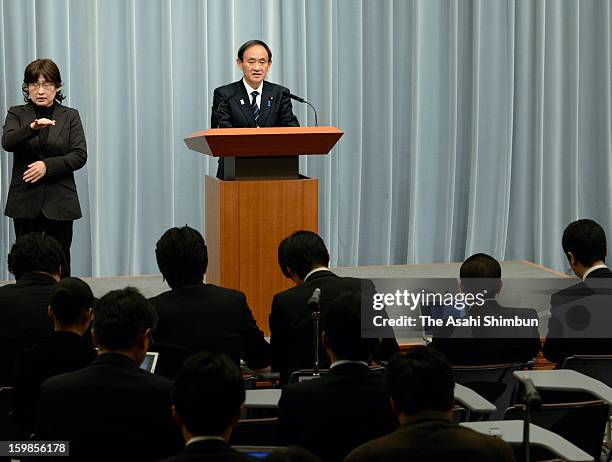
[{"x": 254, "y": 106}]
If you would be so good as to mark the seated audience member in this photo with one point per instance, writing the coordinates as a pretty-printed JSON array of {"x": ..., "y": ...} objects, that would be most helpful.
[
  {"x": 65, "y": 350},
  {"x": 421, "y": 386},
  {"x": 208, "y": 396},
  {"x": 480, "y": 345},
  {"x": 346, "y": 407},
  {"x": 584, "y": 245},
  {"x": 304, "y": 259},
  {"x": 36, "y": 261},
  {"x": 199, "y": 316},
  {"x": 112, "y": 409}
]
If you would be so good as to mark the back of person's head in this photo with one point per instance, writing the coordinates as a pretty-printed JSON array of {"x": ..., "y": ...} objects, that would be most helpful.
[
  {"x": 343, "y": 329},
  {"x": 479, "y": 273},
  {"x": 420, "y": 380},
  {"x": 120, "y": 317},
  {"x": 301, "y": 252},
  {"x": 208, "y": 394},
  {"x": 35, "y": 252},
  {"x": 182, "y": 256},
  {"x": 71, "y": 301},
  {"x": 586, "y": 241}
]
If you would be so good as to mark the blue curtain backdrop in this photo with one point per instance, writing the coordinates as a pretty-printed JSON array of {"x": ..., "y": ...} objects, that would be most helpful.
[{"x": 469, "y": 125}]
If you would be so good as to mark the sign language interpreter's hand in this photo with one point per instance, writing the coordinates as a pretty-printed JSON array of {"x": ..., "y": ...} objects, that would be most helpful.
[
  {"x": 35, "y": 172},
  {"x": 37, "y": 124}
]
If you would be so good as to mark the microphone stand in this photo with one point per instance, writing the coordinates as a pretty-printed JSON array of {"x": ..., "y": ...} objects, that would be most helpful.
[
  {"x": 315, "y": 306},
  {"x": 532, "y": 401}
]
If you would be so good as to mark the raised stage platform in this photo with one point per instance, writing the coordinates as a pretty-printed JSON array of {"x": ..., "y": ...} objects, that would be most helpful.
[{"x": 521, "y": 271}]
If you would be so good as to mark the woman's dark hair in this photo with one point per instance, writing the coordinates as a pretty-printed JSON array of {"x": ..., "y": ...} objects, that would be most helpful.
[
  {"x": 49, "y": 70},
  {"x": 245, "y": 46}
]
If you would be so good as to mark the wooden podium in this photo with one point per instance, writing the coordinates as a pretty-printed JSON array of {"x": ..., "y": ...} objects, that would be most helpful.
[{"x": 246, "y": 219}]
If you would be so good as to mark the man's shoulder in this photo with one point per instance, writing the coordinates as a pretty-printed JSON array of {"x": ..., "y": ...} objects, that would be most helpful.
[
  {"x": 228, "y": 89},
  {"x": 328, "y": 282},
  {"x": 200, "y": 293},
  {"x": 98, "y": 372},
  {"x": 275, "y": 87},
  {"x": 521, "y": 312},
  {"x": 407, "y": 441}
]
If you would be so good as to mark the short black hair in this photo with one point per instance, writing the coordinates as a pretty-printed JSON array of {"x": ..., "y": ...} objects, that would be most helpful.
[
  {"x": 208, "y": 392},
  {"x": 301, "y": 252},
  {"x": 480, "y": 272},
  {"x": 70, "y": 300},
  {"x": 586, "y": 240},
  {"x": 120, "y": 316},
  {"x": 420, "y": 380},
  {"x": 182, "y": 256},
  {"x": 343, "y": 329},
  {"x": 246, "y": 45},
  {"x": 49, "y": 70},
  {"x": 36, "y": 252}
]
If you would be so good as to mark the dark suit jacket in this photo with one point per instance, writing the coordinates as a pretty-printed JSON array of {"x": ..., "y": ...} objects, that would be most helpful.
[
  {"x": 490, "y": 345},
  {"x": 209, "y": 450},
  {"x": 61, "y": 352},
  {"x": 291, "y": 328},
  {"x": 232, "y": 108},
  {"x": 110, "y": 410},
  {"x": 55, "y": 195},
  {"x": 430, "y": 436},
  {"x": 334, "y": 414},
  {"x": 556, "y": 347},
  {"x": 206, "y": 317},
  {"x": 23, "y": 317}
]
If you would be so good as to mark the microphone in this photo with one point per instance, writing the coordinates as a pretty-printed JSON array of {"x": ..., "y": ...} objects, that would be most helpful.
[
  {"x": 288, "y": 94},
  {"x": 313, "y": 301},
  {"x": 297, "y": 98},
  {"x": 532, "y": 397}
]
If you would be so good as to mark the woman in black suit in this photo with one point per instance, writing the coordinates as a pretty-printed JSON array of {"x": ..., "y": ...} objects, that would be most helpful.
[{"x": 48, "y": 145}]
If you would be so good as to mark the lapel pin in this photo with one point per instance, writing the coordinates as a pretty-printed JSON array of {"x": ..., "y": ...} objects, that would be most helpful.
[{"x": 242, "y": 102}]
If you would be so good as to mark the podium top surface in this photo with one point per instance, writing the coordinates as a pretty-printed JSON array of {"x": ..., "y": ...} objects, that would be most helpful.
[{"x": 265, "y": 141}]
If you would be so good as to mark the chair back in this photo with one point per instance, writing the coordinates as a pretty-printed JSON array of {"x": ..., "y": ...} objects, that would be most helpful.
[
  {"x": 255, "y": 432},
  {"x": 494, "y": 382},
  {"x": 305, "y": 374},
  {"x": 10, "y": 430},
  {"x": 582, "y": 423},
  {"x": 598, "y": 367}
]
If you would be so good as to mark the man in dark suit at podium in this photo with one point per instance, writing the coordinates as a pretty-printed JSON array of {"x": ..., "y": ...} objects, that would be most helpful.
[
  {"x": 252, "y": 102},
  {"x": 584, "y": 244},
  {"x": 304, "y": 259}
]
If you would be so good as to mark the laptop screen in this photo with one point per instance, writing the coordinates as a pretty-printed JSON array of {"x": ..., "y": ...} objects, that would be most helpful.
[{"x": 150, "y": 361}]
